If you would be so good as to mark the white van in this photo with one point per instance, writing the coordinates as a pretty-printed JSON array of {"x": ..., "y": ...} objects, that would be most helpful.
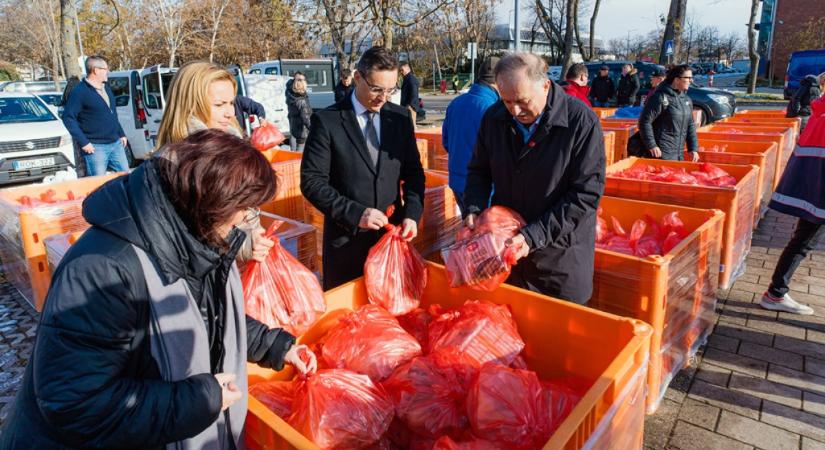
[
  {"x": 319, "y": 73},
  {"x": 140, "y": 96},
  {"x": 269, "y": 91},
  {"x": 33, "y": 141}
]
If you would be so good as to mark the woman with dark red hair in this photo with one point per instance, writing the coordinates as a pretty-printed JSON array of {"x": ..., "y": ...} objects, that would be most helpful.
[{"x": 143, "y": 341}]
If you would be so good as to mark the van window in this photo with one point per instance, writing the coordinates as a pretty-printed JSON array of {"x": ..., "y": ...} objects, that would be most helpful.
[
  {"x": 151, "y": 89},
  {"x": 271, "y": 71},
  {"x": 120, "y": 89},
  {"x": 255, "y": 71},
  {"x": 318, "y": 76}
]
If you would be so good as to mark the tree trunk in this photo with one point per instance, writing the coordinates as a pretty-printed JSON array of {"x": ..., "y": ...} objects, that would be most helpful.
[
  {"x": 68, "y": 39},
  {"x": 568, "y": 36},
  {"x": 579, "y": 43},
  {"x": 592, "y": 50},
  {"x": 386, "y": 33},
  {"x": 673, "y": 29},
  {"x": 752, "y": 53},
  {"x": 172, "y": 51}
]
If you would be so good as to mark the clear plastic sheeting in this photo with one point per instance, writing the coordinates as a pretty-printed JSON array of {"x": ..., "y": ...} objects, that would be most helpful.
[
  {"x": 298, "y": 238},
  {"x": 675, "y": 293},
  {"x": 30, "y": 214},
  {"x": 57, "y": 246},
  {"x": 622, "y": 427},
  {"x": 441, "y": 218}
]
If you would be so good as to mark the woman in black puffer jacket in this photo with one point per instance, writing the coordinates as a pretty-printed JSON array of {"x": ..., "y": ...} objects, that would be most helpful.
[{"x": 666, "y": 122}]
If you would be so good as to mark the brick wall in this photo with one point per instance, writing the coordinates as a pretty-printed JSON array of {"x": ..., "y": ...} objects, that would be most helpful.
[{"x": 791, "y": 16}]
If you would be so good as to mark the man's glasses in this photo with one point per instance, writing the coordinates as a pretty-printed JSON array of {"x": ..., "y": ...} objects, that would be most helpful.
[
  {"x": 378, "y": 90},
  {"x": 686, "y": 78}
]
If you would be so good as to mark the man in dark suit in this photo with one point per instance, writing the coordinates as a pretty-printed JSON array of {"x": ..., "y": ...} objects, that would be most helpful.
[
  {"x": 409, "y": 90},
  {"x": 358, "y": 153}
]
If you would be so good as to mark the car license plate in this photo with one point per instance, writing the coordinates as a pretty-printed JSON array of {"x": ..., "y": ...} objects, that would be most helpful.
[{"x": 32, "y": 163}]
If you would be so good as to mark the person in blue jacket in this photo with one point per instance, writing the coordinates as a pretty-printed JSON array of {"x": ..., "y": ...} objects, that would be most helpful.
[
  {"x": 462, "y": 122},
  {"x": 90, "y": 115}
]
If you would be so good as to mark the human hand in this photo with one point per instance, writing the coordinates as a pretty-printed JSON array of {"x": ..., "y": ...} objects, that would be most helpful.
[
  {"x": 470, "y": 221},
  {"x": 230, "y": 393},
  {"x": 656, "y": 152},
  {"x": 88, "y": 148},
  {"x": 373, "y": 219},
  {"x": 522, "y": 249},
  {"x": 124, "y": 141},
  {"x": 409, "y": 229},
  {"x": 695, "y": 156},
  {"x": 261, "y": 245},
  {"x": 302, "y": 358}
]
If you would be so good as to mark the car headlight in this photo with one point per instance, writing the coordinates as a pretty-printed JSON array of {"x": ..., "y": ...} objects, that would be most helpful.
[
  {"x": 722, "y": 99},
  {"x": 66, "y": 139}
]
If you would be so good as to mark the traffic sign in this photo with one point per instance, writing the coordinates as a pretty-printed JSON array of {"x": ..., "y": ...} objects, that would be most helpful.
[{"x": 668, "y": 48}]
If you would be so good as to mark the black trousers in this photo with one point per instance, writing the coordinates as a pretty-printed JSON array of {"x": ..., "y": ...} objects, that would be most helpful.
[{"x": 805, "y": 238}]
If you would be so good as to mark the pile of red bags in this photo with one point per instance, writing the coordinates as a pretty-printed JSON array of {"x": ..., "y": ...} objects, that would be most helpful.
[
  {"x": 482, "y": 258},
  {"x": 339, "y": 409},
  {"x": 445, "y": 443},
  {"x": 275, "y": 395},
  {"x": 715, "y": 149},
  {"x": 647, "y": 236},
  {"x": 709, "y": 175},
  {"x": 369, "y": 341},
  {"x": 395, "y": 273},
  {"x": 46, "y": 198},
  {"x": 266, "y": 136},
  {"x": 484, "y": 331},
  {"x": 281, "y": 292}
]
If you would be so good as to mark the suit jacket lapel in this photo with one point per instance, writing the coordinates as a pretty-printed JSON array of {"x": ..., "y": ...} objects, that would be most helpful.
[{"x": 350, "y": 123}]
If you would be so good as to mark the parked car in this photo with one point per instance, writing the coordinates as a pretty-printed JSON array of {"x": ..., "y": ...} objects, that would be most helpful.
[
  {"x": 319, "y": 73},
  {"x": 54, "y": 100},
  {"x": 802, "y": 64},
  {"x": 32, "y": 86},
  {"x": 554, "y": 73},
  {"x": 33, "y": 141},
  {"x": 715, "y": 104}
]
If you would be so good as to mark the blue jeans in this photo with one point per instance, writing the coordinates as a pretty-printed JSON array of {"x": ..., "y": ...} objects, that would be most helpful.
[
  {"x": 599, "y": 104},
  {"x": 111, "y": 156}
]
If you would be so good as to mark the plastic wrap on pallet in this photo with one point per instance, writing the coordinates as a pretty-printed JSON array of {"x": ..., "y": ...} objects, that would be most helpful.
[
  {"x": 674, "y": 292},
  {"x": 737, "y": 203},
  {"x": 30, "y": 214},
  {"x": 622, "y": 427},
  {"x": 785, "y": 133},
  {"x": 441, "y": 218},
  {"x": 441, "y": 163},
  {"x": 609, "y": 147},
  {"x": 623, "y": 132},
  {"x": 57, "y": 246},
  {"x": 422, "y": 152},
  {"x": 434, "y": 143},
  {"x": 298, "y": 238},
  {"x": 289, "y": 202}
]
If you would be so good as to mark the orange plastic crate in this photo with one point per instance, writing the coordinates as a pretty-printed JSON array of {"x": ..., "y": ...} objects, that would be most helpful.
[
  {"x": 57, "y": 246},
  {"x": 761, "y": 154},
  {"x": 737, "y": 203},
  {"x": 442, "y": 163},
  {"x": 793, "y": 122},
  {"x": 289, "y": 202},
  {"x": 770, "y": 113},
  {"x": 441, "y": 219},
  {"x": 609, "y": 147},
  {"x": 623, "y": 132},
  {"x": 23, "y": 229},
  {"x": 786, "y": 145},
  {"x": 434, "y": 143},
  {"x": 298, "y": 238},
  {"x": 422, "y": 152},
  {"x": 674, "y": 293},
  {"x": 604, "y": 113},
  {"x": 718, "y": 135},
  {"x": 562, "y": 339}
]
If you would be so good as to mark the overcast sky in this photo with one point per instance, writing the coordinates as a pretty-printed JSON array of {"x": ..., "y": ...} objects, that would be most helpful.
[{"x": 617, "y": 17}]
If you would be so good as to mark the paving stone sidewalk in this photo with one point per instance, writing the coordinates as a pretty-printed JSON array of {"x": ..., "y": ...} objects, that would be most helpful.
[{"x": 759, "y": 383}]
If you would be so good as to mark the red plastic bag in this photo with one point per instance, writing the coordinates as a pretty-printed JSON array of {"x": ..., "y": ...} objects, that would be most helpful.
[
  {"x": 560, "y": 397},
  {"x": 430, "y": 392},
  {"x": 417, "y": 323},
  {"x": 341, "y": 409},
  {"x": 484, "y": 331},
  {"x": 481, "y": 258},
  {"x": 395, "y": 274},
  {"x": 369, "y": 341},
  {"x": 275, "y": 395},
  {"x": 445, "y": 443},
  {"x": 282, "y": 292},
  {"x": 266, "y": 137},
  {"x": 509, "y": 407}
]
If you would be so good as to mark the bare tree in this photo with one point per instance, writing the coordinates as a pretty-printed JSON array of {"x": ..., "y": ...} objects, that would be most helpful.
[
  {"x": 673, "y": 28},
  {"x": 174, "y": 18},
  {"x": 386, "y": 15},
  {"x": 752, "y": 43},
  {"x": 595, "y": 14},
  {"x": 216, "y": 9},
  {"x": 570, "y": 21}
]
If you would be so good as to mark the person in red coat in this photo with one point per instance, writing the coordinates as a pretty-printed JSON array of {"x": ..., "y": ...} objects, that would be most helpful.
[{"x": 577, "y": 83}]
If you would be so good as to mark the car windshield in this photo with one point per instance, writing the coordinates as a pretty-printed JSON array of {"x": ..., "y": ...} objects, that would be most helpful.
[
  {"x": 24, "y": 109},
  {"x": 51, "y": 99}
]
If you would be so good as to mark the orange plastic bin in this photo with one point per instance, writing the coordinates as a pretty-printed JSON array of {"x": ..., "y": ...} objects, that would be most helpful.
[
  {"x": 24, "y": 228},
  {"x": 299, "y": 239},
  {"x": 422, "y": 145},
  {"x": 737, "y": 203},
  {"x": 675, "y": 293},
  {"x": 434, "y": 146},
  {"x": 786, "y": 145},
  {"x": 793, "y": 122},
  {"x": 604, "y": 113},
  {"x": 289, "y": 201},
  {"x": 623, "y": 132},
  {"x": 441, "y": 218},
  {"x": 609, "y": 147},
  {"x": 562, "y": 339},
  {"x": 718, "y": 135},
  {"x": 760, "y": 154}
]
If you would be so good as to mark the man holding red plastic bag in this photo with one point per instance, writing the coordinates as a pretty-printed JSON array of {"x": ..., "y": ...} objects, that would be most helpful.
[{"x": 544, "y": 153}]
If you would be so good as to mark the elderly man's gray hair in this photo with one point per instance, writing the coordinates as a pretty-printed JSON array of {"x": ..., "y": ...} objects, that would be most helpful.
[
  {"x": 513, "y": 62},
  {"x": 94, "y": 62}
]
